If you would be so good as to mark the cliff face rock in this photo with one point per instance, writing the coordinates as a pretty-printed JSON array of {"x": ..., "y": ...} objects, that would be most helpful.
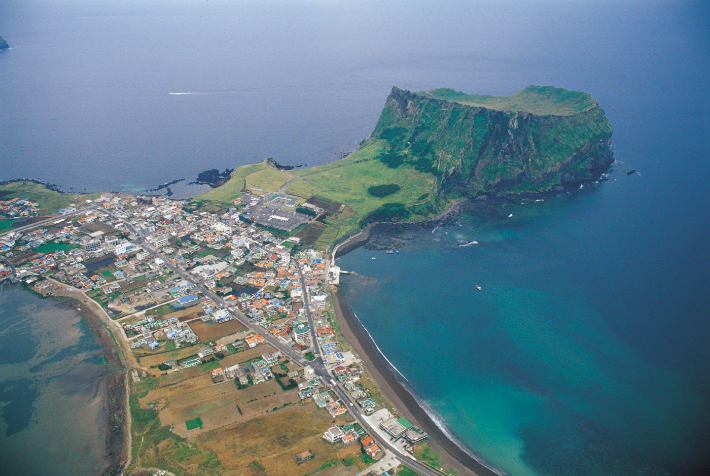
[{"x": 538, "y": 140}]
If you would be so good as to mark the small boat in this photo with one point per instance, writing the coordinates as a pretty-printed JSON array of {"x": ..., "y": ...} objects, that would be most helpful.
[
  {"x": 510, "y": 216},
  {"x": 390, "y": 252},
  {"x": 478, "y": 287},
  {"x": 374, "y": 257}
]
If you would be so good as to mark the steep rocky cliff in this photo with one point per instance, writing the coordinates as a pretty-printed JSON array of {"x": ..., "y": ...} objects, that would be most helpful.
[{"x": 538, "y": 140}]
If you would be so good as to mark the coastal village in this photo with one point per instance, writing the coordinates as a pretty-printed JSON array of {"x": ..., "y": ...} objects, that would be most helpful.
[{"x": 230, "y": 322}]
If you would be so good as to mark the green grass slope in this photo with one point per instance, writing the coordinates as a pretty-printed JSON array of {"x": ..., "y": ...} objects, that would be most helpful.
[
  {"x": 538, "y": 100},
  {"x": 49, "y": 200}
]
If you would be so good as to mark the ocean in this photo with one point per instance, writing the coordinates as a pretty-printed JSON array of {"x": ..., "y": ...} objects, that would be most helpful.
[
  {"x": 586, "y": 350},
  {"x": 51, "y": 389}
]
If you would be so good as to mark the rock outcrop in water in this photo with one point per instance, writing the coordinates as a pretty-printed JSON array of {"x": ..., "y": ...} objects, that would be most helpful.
[
  {"x": 541, "y": 139},
  {"x": 3, "y": 44}
]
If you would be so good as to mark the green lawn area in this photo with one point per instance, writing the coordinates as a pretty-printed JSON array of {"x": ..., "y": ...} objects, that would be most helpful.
[
  {"x": 6, "y": 224},
  {"x": 423, "y": 453},
  {"x": 367, "y": 153},
  {"x": 50, "y": 247},
  {"x": 209, "y": 366},
  {"x": 407, "y": 472}
]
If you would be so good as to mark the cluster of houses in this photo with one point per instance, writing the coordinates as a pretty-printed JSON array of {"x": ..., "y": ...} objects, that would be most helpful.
[
  {"x": 95, "y": 252},
  {"x": 349, "y": 434},
  {"x": 254, "y": 372},
  {"x": 18, "y": 207},
  {"x": 79, "y": 254},
  {"x": 7, "y": 241},
  {"x": 152, "y": 332}
]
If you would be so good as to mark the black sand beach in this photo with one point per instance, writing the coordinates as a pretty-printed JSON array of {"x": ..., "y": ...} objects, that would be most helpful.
[{"x": 353, "y": 333}]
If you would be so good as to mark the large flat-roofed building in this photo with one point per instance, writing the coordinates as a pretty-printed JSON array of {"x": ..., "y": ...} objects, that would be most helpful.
[
  {"x": 278, "y": 218},
  {"x": 393, "y": 427},
  {"x": 414, "y": 435},
  {"x": 187, "y": 299},
  {"x": 160, "y": 241},
  {"x": 91, "y": 245}
]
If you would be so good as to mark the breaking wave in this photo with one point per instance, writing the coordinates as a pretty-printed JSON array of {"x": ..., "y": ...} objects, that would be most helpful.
[
  {"x": 378, "y": 348},
  {"x": 435, "y": 417}
]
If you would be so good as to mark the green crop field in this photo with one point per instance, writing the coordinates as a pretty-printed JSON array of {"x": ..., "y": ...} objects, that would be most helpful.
[
  {"x": 194, "y": 423},
  {"x": 6, "y": 224}
]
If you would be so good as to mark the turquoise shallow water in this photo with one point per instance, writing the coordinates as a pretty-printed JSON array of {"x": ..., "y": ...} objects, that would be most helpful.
[
  {"x": 566, "y": 362},
  {"x": 51, "y": 389}
]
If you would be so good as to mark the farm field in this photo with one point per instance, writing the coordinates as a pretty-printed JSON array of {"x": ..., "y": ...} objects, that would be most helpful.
[
  {"x": 196, "y": 427},
  {"x": 155, "y": 359},
  {"x": 271, "y": 441},
  {"x": 192, "y": 312},
  {"x": 208, "y": 333},
  {"x": 223, "y": 410}
]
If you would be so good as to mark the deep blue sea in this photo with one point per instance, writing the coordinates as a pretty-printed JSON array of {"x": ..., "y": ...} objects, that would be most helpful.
[{"x": 586, "y": 352}]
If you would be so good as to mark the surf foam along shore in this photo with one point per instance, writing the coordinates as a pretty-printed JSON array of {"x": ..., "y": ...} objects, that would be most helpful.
[
  {"x": 442, "y": 440},
  {"x": 437, "y": 419}
]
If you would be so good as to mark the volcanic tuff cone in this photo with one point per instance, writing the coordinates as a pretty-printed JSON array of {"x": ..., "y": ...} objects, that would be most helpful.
[{"x": 540, "y": 139}]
